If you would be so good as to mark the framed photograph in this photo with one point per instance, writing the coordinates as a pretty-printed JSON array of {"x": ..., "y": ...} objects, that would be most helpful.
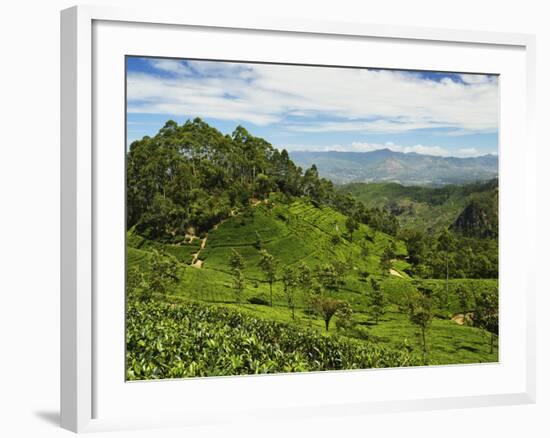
[{"x": 278, "y": 218}]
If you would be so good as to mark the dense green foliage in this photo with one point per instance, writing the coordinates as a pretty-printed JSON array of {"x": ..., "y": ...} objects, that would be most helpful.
[
  {"x": 190, "y": 177},
  {"x": 189, "y": 340},
  {"x": 465, "y": 257},
  {"x": 162, "y": 274},
  {"x": 426, "y": 208},
  {"x": 469, "y": 212},
  {"x": 479, "y": 218}
]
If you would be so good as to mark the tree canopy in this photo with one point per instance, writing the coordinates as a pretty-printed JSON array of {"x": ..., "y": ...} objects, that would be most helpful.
[{"x": 189, "y": 177}]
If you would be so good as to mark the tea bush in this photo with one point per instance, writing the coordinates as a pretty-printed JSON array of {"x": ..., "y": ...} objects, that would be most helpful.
[{"x": 190, "y": 339}]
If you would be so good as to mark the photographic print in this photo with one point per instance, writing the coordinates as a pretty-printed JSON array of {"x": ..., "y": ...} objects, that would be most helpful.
[{"x": 292, "y": 218}]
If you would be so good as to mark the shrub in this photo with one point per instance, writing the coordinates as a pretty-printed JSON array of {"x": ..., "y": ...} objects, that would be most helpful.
[
  {"x": 335, "y": 239},
  {"x": 344, "y": 317},
  {"x": 166, "y": 340},
  {"x": 360, "y": 332},
  {"x": 363, "y": 275},
  {"x": 259, "y": 300}
]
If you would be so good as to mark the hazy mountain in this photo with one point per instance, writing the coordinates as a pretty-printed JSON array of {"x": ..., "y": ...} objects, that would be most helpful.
[{"x": 384, "y": 165}]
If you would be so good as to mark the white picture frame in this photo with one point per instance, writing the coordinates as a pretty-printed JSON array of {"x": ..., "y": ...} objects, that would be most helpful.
[{"x": 86, "y": 380}]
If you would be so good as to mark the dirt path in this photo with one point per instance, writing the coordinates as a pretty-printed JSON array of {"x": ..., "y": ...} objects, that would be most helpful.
[
  {"x": 196, "y": 263},
  {"x": 460, "y": 319},
  {"x": 394, "y": 272},
  {"x": 189, "y": 238}
]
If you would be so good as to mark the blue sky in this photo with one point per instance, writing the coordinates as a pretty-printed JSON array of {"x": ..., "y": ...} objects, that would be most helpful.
[{"x": 319, "y": 108}]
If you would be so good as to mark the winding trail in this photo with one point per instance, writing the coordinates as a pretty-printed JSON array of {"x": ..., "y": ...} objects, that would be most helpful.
[
  {"x": 196, "y": 263},
  {"x": 394, "y": 272}
]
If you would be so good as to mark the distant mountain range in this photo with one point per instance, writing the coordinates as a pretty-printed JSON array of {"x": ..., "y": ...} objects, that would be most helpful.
[{"x": 410, "y": 169}]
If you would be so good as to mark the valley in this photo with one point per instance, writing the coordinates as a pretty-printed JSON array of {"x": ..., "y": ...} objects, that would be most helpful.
[{"x": 427, "y": 208}]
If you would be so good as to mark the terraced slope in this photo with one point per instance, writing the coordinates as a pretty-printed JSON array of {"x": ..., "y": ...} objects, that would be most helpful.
[
  {"x": 293, "y": 233},
  {"x": 300, "y": 232}
]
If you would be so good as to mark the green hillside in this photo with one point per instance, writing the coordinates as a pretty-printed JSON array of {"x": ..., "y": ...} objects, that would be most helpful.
[
  {"x": 425, "y": 208},
  {"x": 293, "y": 233},
  {"x": 298, "y": 233},
  {"x": 225, "y": 228}
]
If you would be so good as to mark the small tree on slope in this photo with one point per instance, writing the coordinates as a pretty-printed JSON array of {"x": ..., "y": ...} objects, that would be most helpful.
[
  {"x": 486, "y": 314},
  {"x": 420, "y": 314},
  {"x": 236, "y": 262},
  {"x": 377, "y": 300},
  {"x": 327, "y": 307},
  {"x": 268, "y": 263},
  {"x": 290, "y": 282}
]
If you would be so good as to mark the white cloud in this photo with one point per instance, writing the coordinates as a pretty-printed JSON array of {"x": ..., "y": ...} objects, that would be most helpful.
[
  {"x": 171, "y": 66},
  {"x": 468, "y": 152},
  {"x": 476, "y": 79},
  {"x": 318, "y": 99},
  {"x": 437, "y": 151},
  {"x": 376, "y": 126}
]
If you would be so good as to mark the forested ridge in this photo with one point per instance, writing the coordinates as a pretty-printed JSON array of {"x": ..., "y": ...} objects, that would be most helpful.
[
  {"x": 193, "y": 176},
  {"x": 456, "y": 225}
]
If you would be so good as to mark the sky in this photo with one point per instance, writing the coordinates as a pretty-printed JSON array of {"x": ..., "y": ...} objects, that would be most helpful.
[{"x": 319, "y": 108}]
